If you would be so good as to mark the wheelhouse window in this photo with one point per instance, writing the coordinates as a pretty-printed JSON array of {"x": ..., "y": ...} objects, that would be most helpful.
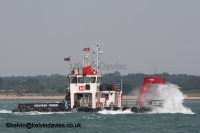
[
  {"x": 87, "y": 86},
  {"x": 93, "y": 79},
  {"x": 87, "y": 79},
  {"x": 73, "y": 80},
  {"x": 98, "y": 79},
  {"x": 80, "y": 79}
]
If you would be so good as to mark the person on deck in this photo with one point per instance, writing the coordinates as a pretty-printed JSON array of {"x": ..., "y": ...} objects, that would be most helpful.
[{"x": 66, "y": 104}]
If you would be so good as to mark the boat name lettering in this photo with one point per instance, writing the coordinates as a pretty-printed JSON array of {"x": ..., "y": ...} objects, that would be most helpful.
[
  {"x": 53, "y": 105},
  {"x": 40, "y": 105}
]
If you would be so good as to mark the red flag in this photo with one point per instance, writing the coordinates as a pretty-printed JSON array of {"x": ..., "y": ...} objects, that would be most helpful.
[
  {"x": 86, "y": 49},
  {"x": 67, "y": 59}
]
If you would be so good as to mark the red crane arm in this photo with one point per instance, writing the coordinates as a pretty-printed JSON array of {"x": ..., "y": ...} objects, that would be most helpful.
[{"x": 145, "y": 86}]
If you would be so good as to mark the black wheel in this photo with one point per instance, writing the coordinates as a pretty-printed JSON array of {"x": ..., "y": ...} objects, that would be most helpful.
[
  {"x": 135, "y": 110},
  {"x": 144, "y": 109},
  {"x": 125, "y": 108},
  {"x": 107, "y": 108},
  {"x": 116, "y": 108}
]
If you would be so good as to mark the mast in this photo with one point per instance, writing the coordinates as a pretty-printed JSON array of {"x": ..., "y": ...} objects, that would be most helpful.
[
  {"x": 97, "y": 67},
  {"x": 97, "y": 49}
]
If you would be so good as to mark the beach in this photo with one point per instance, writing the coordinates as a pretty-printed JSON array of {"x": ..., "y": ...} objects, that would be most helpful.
[{"x": 61, "y": 97}]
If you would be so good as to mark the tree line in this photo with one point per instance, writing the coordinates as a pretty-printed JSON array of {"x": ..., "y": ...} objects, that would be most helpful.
[
  {"x": 56, "y": 84},
  {"x": 42, "y": 84}
]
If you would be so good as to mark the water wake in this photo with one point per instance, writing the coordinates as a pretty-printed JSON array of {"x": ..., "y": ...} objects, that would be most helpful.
[
  {"x": 115, "y": 112},
  {"x": 5, "y": 111}
]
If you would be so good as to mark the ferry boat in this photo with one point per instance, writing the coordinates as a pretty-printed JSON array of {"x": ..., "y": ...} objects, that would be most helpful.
[{"x": 85, "y": 91}]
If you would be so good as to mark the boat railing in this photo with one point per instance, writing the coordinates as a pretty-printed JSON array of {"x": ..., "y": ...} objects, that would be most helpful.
[
  {"x": 118, "y": 87},
  {"x": 110, "y": 87},
  {"x": 129, "y": 102}
]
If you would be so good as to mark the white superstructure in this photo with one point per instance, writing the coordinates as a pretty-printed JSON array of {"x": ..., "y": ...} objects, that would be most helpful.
[{"x": 86, "y": 90}]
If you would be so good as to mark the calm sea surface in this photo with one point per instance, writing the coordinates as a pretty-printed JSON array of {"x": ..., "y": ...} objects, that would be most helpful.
[{"x": 103, "y": 121}]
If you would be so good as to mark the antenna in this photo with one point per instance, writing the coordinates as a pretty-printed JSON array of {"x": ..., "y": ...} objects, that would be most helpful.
[{"x": 97, "y": 56}]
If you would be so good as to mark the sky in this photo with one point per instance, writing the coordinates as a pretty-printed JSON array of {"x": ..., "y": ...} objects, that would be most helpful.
[{"x": 139, "y": 36}]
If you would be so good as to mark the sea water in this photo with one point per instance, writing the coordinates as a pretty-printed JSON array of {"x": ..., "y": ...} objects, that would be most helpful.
[{"x": 176, "y": 116}]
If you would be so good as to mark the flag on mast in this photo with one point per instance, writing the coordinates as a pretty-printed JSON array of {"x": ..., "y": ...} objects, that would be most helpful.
[
  {"x": 87, "y": 49},
  {"x": 67, "y": 59}
]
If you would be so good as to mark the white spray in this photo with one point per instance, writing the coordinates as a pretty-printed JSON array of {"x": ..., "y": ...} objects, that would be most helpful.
[{"x": 173, "y": 100}]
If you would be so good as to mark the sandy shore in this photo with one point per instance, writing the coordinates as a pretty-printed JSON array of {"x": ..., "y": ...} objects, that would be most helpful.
[
  {"x": 135, "y": 97},
  {"x": 37, "y": 97}
]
